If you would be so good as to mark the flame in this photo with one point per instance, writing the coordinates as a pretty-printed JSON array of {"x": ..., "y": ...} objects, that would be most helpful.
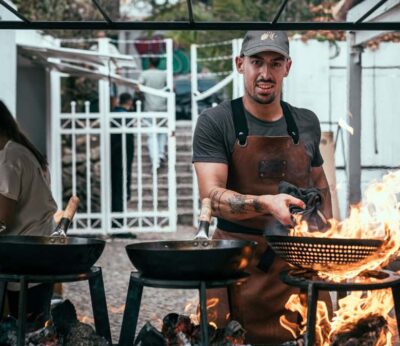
[
  {"x": 48, "y": 323},
  {"x": 86, "y": 319},
  {"x": 192, "y": 308},
  {"x": 298, "y": 303},
  {"x": 378, "y": 217},
  {"x": 117, "y": 310},
  {"x": 359, "y": 305},
  {"x": 213, "y": 324}
]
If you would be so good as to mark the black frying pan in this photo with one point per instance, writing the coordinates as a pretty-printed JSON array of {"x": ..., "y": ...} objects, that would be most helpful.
[
  {"x": 57, "y": 254},
  {"x": 198, "y": 259}
]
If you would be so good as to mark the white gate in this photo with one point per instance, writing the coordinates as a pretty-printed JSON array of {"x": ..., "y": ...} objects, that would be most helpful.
[
  {"x": 231, "y": 76},
  {"x": 81, "y": 159}
]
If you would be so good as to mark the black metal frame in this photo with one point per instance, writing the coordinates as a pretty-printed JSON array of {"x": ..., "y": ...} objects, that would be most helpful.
[
  {"x": 134, "y": 298},
  {"x": 191, "y": 24},
  {"x": 312, "y": 286},
  {"x": 97, "y": 294}
]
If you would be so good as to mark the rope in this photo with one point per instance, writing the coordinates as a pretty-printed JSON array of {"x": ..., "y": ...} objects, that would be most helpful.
[
  {"x": 205, "y": 74},
  {"x": 224, "y": 57},
  {"x": 138, "y": 41},
  {"x": 222, "y": 43}
]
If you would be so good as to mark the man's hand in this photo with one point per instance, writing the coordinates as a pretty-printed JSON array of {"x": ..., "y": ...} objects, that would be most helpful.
[{"x": 278, "y": 206}]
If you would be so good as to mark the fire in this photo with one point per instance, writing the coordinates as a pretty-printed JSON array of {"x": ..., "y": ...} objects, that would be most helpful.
[
  {"x": 117, "y": 310},
  {"x": 378, "y": 217},
  {"x": 193, "y": 305},
  {"x": 359, "y": 305},
  {"x": 298, "y": 303},
  {"x": 48, "y": 323},
  {"x": 86, "y": 319}
]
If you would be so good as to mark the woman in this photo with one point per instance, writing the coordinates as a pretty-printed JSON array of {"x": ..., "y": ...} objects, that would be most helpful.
[{"x": 26, "y": 204}]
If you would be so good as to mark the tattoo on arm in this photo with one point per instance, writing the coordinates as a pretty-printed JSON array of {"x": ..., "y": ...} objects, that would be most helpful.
[
  {"x": 237, "y": 204},
  {"x": 233, "y": 203},
  {"x": 257, "y": 205}
]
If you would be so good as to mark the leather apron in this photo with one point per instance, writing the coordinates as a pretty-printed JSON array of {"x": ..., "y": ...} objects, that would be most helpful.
[{"x": 257, "y": 166}]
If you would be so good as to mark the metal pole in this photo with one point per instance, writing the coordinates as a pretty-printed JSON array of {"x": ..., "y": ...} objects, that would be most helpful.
[{"x": 354, "y": 120}]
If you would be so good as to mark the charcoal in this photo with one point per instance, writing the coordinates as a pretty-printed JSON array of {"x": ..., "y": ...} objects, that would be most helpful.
[
  {"x": 44, "y": 336},
  {"x": 64, "y": 317},
  {"x": 8, "y": 331},
  {"x": 184, "y": 325},
  {"x": 182, "y": 340},
  {"x": 82, "y": 334},
  {"x": 235, "y": 330},
  {"x": 365, "y": 333},
  {"x": 196, "y": 334},
  {"x": 169, "y": 324},
  {"x": 150, "y": 336},
  {"x": 298, "y": 342}
]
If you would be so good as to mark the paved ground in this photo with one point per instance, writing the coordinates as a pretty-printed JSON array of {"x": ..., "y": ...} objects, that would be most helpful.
[{"x": 156, "y": 303}]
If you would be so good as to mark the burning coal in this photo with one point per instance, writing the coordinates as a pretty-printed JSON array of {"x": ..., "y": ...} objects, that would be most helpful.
[
  {"x": 179, "y": 330},
  {"x": 63, "y": 329}
]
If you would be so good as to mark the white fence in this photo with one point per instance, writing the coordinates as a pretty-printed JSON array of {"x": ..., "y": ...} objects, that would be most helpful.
[{"x": 82, "y": 156}]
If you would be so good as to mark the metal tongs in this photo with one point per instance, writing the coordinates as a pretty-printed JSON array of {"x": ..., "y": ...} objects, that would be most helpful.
[{"x": 68, "y": 215}]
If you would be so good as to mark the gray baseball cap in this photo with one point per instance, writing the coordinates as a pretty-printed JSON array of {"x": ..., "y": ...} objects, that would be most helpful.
[{"x": 263, "y": 41}]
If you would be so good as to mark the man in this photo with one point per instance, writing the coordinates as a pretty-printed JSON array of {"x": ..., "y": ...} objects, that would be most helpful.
[
  {"x": 157, "y": 79},
  {"x": 117, "y": 175},
  {"x": 242, "y": 150}
]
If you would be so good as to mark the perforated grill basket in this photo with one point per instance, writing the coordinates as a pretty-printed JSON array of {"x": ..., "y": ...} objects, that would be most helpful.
[{"x": 317, "y": 253}]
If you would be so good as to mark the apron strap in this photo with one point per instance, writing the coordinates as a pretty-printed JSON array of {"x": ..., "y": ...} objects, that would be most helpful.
[
  {"x": 240, "y": 122},
  {"x": 292, "y": 128}
]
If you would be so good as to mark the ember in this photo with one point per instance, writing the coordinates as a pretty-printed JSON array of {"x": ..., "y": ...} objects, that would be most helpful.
[
  {"x": 178, "y": 330},
  {"x": 368, "y": 331},
  {"x": 64, "y": 329}
]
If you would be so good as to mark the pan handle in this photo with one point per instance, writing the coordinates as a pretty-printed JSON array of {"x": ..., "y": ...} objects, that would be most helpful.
[
  {"x": 204, "y": 219},
  {"x": 68, "y": 215}
]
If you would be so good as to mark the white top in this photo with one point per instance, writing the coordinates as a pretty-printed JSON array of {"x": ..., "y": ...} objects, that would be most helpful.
[
  {"x": 156, "y": 79},
  {"x": 23, "y": 180}
]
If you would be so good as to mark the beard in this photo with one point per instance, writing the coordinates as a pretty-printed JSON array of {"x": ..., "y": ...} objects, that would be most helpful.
[{"x": 263, "y": 100}]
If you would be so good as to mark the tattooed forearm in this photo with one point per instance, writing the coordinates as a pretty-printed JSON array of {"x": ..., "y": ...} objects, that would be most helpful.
[
  {"x": 237, "y": 204},
  {"x": 216, "y": 196},
  {"x": 257, "y": 205},
  {"x": 227, "y": 203}
]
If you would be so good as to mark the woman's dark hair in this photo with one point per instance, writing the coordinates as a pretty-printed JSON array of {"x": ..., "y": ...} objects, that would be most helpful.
[{"x": 10, "y": 129}]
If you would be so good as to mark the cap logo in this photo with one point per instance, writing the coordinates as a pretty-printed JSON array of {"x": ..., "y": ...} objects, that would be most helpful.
[{"x": 268, "y": 36}]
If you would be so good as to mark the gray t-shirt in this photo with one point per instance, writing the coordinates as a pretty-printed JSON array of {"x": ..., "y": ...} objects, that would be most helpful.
[
  {"x": 23, "y": 180},
  {"x": 156, "y": 79},
  {"x": 214, "y": 136}
]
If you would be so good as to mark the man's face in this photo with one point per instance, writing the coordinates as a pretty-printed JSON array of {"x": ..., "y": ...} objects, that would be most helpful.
[{"x": 263, "y": 75}]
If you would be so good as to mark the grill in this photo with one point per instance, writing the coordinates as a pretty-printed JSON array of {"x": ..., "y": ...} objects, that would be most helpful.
[
  {"x": 322, "y": 253},
  {"x": 310, "y": 284}
]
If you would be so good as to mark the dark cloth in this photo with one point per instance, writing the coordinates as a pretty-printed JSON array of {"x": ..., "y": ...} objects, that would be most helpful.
[
  {"x": 117, "y": 199},
  {"x": 37, "y": 304},
  {"x": 214, "y": 136},
  {"x": 312, "y": 198}
]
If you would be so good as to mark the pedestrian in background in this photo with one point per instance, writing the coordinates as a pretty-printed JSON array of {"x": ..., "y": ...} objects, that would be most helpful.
[
  {"x": 125, "y": 104},
  {"x": 157, "y": 79}
]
